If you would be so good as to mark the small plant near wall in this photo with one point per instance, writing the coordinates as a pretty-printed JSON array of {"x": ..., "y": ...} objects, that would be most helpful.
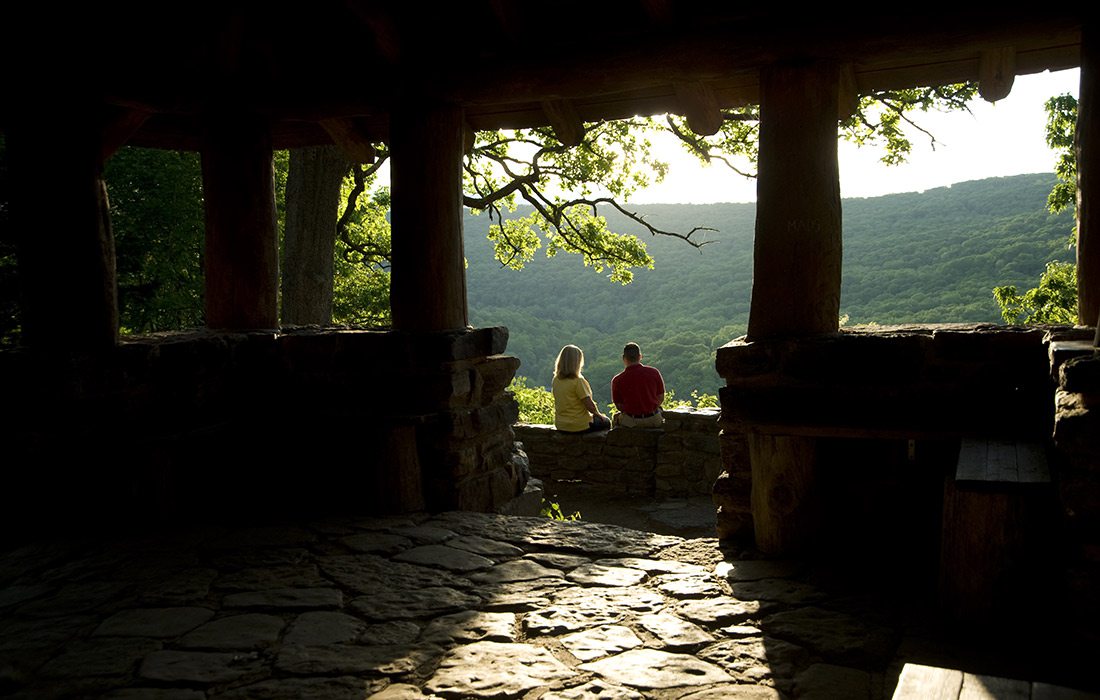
[{"x": 554, "y": 512}]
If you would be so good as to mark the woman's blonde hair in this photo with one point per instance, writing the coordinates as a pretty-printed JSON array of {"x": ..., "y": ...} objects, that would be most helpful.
[{"x": 570, "y": 362}]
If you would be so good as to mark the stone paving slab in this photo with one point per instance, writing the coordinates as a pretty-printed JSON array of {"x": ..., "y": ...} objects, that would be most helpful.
[{"x": 457, "y": 605}]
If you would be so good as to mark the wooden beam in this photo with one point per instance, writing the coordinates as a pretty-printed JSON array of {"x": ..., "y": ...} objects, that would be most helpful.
[
  {"x": 928, "y": 683},
  {"x": 996, "y": 73},
  {"x": 848, "y": 92},
  {"x": 784, "y": 507},
  {"x": 353, "y": 140},
  {"x": 567, "y": 124},
  {"x": 119, "y": 126},
  {"x": 242, "y": 257},
  {"x": 428, "y": 274},
  {"x": 797, "y": 248},
  {"x": 1088, "y": 180},
  {"x": 700, "y": 105},
  {"x": 382, "y": 27},
  {"x": 659, "y": 11}
]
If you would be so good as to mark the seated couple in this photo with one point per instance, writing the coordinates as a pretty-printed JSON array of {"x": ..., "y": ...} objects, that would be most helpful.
[{"x": 637, "y": 392}]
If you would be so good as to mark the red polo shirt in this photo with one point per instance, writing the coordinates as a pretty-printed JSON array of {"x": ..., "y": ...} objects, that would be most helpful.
[{"x": 638, "y": 389}]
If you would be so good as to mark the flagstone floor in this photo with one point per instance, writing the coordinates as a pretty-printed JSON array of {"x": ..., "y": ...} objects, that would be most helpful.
[{"x": 458, "y": 605}]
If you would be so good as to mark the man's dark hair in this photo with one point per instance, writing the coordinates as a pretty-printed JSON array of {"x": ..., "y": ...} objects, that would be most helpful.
[{"x": 632, "y": 352}]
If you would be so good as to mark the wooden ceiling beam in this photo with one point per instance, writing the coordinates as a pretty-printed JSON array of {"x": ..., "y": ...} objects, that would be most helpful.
[
  {"x": 564, "y": 119},
  {"x": 354, "y": 140},
  {"x": 699, "y": 104},
  {"x": 119, "y": 126},
  {"x": 996, "y": 73}
]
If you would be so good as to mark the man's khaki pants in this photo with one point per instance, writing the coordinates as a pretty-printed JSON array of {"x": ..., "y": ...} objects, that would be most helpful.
[{"x": 622, "y": 420}]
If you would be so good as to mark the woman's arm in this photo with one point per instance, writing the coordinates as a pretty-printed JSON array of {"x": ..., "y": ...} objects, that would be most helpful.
[{"x": 590, "y": 405}]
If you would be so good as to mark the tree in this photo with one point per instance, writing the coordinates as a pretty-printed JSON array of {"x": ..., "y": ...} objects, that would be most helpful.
[
  {"x": 157, "y": 217},
  {"x": 314, "y": 178},
  {"x": 567, "y": 186},
  {"x": 1054, "y": 299}
]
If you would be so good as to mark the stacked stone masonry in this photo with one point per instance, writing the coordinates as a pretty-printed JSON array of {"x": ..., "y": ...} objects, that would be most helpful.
[
  {"x": 680, "y": 459},
  {"x": 306, "y": 420},
  {"x": 927, "y": 386},
  {"x": 1077, "y": 437}
]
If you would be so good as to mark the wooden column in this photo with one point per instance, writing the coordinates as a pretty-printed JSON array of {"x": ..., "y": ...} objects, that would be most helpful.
[
  {"x": 1088, "y": 181},
  {"x": 796, "y": 274},
  {"x": 784, "y": 510},
  {"x": 797, "y": 249},
  {"x": 66, "y": 251},
  {"x": 428, "y": 275},
  {"x": 242, "y": 256}
]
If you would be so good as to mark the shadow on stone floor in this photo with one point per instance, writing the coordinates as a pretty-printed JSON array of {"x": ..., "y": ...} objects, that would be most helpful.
[{"x": 688, "y": 517}]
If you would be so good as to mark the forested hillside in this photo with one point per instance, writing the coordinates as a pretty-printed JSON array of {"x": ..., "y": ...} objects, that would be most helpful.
[{"x": 919, "y": 257}]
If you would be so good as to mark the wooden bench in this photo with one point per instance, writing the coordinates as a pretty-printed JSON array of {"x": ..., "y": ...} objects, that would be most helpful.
[
  {"x": 933, "y": 683},
  {"x": 998, "y": 512}
]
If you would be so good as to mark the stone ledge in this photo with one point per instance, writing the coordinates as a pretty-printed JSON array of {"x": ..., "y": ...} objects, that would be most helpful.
[{"x": 684, "y": 454}]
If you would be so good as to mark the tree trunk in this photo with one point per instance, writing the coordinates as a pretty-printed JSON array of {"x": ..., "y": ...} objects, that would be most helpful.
[
  {"x": 1088, "y": 183},
  {"x": 312, "y": 203}
]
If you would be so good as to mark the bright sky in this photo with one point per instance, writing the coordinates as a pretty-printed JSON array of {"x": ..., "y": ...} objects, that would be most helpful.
[{"x": 1006, "y": 138}]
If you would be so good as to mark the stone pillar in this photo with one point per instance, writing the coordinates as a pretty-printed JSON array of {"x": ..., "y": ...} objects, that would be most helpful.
[
  {"x": 797, "y": 248},
  {"x": 796, "y": 274},
  {"x": 428, "y": 274},
  {"x": 242, "y": 250},
  {"x": 66, "y": 251}
]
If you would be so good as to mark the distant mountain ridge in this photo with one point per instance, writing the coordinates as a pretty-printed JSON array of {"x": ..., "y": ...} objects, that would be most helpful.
[{"x": 923, "y": 257}]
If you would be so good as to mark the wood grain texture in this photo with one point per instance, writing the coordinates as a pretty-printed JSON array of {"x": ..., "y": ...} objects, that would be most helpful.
[
  {"x": 928, "y": 683},
  {"x": 428, "y": 274},
  {"x": 797, "y": 247},
  {"x": 242, "y": 256}
]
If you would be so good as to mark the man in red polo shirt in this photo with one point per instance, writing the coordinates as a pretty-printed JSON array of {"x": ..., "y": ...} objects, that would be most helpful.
[{"x": 637, "y": 392}]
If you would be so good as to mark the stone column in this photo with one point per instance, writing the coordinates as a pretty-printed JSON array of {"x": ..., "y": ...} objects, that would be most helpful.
[
  {"x": 796, "y": 274},
  {"x": 59, "y": 211},
  {"x": 242, "y": 250},
  {"x": 428, "y": 274},
  {"x": 1088, "y": 182}
]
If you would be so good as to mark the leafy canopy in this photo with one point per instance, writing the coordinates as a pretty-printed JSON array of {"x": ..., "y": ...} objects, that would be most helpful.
[{"x": 1054, "y": 299}]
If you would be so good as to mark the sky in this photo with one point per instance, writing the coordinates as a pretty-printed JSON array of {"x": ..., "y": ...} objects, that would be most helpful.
[{"x": 1005, "y": 138}]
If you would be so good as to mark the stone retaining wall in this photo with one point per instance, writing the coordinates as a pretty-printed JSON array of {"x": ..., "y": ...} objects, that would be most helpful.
[
  {"x": 1077, "y": 436},
  {"x": 314, "y": 420},
  {"x": 681, "y": 459}
]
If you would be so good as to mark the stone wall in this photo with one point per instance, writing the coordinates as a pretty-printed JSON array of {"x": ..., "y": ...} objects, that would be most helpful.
[
  {"x": 1077, "y": 436},
  {"x": 862, "y": 395},
  {"x": 680, "y": 459},
  {"x": 205, "y": 423},
  {"x": 920, "y": 383}
]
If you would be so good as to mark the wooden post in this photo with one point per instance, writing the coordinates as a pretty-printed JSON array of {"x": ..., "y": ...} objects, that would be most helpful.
[
  {"x": 784, "y": 510},
  {"x": 796, "y": 274},
  {"x": 428, "y": 275},
  {"x": 797, "y": 249},
  {"x": 242, "y": 256},
  {"x": 66, "y": 251},
  {"x": 1088, "y": 180}
]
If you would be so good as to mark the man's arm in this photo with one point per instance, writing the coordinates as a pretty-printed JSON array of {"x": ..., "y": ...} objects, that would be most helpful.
[{"x": 615, "y": 393}]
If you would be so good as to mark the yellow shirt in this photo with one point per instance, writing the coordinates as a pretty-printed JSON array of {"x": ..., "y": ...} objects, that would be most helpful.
[{"x": 569, "y": 411}]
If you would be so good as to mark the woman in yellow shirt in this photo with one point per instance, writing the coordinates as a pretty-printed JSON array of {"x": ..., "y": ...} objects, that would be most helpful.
[{"x": 574, "y": 410}]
